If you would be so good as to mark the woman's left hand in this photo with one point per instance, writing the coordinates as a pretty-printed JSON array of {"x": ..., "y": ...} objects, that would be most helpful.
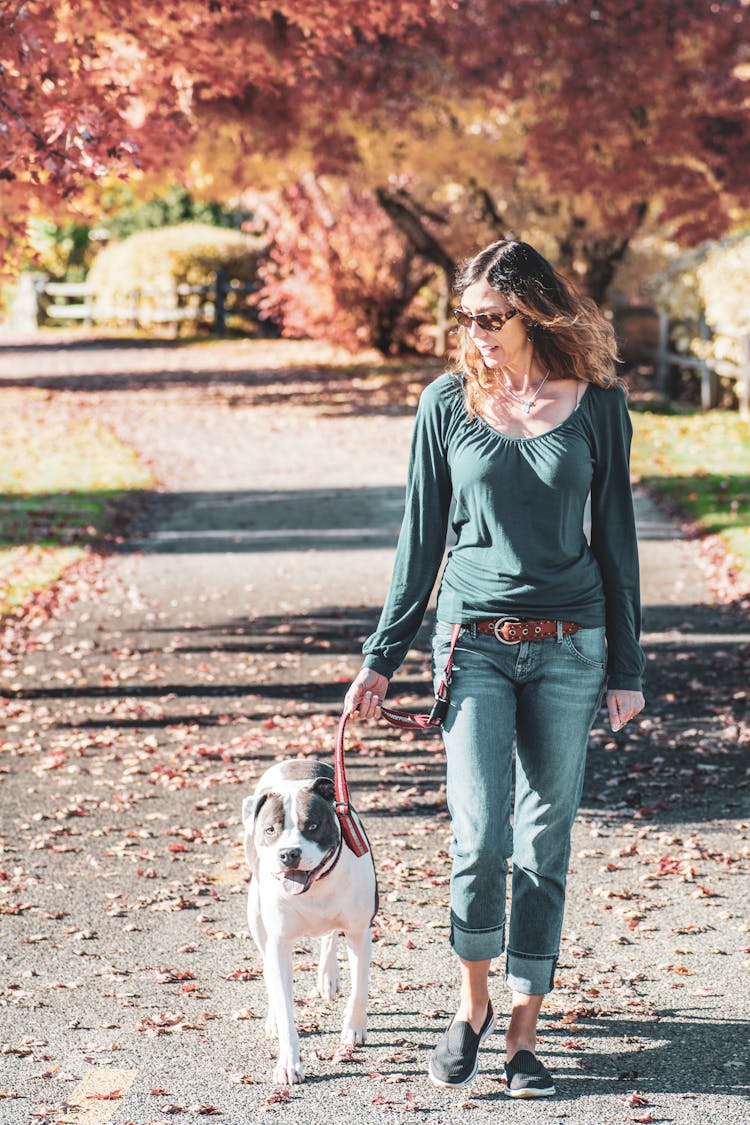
[{"x": 622, "y": 706}]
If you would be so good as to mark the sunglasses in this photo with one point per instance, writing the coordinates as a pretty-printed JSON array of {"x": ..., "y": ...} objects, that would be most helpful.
[{"x": 488, "y": 322}]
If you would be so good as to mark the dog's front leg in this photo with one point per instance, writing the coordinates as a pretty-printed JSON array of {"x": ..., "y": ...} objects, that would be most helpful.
[
  {"x": 277, "y": 969},
  {"x": 260, "y": 937},
  {"x": 359, "y": 950},
  {"x": 328, "y": 969}
]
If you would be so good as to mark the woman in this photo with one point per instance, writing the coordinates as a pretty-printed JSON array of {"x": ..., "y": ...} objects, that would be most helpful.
[{"x": 531, "y": 421}]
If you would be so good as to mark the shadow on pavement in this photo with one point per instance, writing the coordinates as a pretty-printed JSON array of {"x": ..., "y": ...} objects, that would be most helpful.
[
  {"x": 324, "y": 519},
  {"x": 357, "y": 387},
  {"x": 695, "y": 1056},
  {"x": 92, "y": 344},
  {"x": 236, "y": 521},
  {"x": 684, "y": 760}
]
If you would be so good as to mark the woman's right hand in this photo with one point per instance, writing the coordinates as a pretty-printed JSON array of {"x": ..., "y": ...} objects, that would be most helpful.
[{"x": 367, "y": 692}]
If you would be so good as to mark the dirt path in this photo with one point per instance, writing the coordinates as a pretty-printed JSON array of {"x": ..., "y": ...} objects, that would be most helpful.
[{"x": 223, "y": 636}]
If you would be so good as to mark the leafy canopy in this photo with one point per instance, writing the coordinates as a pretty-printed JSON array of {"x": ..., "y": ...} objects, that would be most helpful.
[{"x": 629, "y": 106}]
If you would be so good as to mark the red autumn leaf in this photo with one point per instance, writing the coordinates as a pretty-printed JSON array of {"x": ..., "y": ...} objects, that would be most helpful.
[
  {"x": 245, "y": 974},
  {"x": 634, "y": 1099},
  {"x": 173, "y": 976},
  {"x": 278, "y": 1096}
]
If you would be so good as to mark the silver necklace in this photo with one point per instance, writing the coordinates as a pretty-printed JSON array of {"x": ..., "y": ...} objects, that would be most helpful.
[{"x": 527, "y": 403}]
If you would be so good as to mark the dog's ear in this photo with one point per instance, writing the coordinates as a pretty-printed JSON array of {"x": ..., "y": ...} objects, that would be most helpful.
[
  {"x": 324, "y": 786},
  {"x": 251, "y": 806}
]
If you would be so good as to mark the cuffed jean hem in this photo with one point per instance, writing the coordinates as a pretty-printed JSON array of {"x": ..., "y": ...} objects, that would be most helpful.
[
  {"x": 476, "y": 945},
  {"x": 530, "y": 975}
]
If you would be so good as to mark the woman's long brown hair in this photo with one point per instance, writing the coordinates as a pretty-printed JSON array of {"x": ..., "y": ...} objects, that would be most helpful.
[{"x": 569, "y": 334}]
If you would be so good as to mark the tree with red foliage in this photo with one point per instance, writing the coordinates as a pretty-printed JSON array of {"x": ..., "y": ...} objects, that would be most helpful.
[
  {"x": 599, "y": 118},
  {"x": 619, "y": 114},
  {"x": 337, "y": 268},
  {"x": 88, "y": 90}
]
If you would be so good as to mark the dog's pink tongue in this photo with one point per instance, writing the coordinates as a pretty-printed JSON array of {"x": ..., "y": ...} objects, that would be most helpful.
[{"x": 294, "y": 882}]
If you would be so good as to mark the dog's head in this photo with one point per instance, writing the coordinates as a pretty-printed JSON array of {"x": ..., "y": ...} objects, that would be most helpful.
[{"x": 291, "y": 827}]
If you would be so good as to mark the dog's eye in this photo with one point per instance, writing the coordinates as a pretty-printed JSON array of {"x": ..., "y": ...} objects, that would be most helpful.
[
  {"x": 310, "y": 827},
  {"x": 270, "y": 830}
]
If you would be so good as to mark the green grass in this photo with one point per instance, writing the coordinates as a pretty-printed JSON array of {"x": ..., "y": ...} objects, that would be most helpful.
[
  {"x": 701, "y": 461},
  {"x": 63, "y": 477}
]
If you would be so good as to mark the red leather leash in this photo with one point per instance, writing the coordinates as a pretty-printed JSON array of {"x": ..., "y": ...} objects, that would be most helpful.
[{"x": 351, "y": 829}]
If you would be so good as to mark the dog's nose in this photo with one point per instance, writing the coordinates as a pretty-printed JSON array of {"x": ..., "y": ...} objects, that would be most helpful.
[{"x": 290, "y": 857}]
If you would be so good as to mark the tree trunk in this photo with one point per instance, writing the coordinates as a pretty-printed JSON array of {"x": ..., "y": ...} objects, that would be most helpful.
[
  {"x": 601, "y": 269},
  {"x": 387, "y": 317},
  {"x": 407, "y": 216},
  {"x": 599, "y": 256}
]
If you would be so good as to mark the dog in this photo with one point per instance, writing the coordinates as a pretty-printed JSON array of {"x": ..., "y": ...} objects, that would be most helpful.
[{"x": 306, "y": 882}]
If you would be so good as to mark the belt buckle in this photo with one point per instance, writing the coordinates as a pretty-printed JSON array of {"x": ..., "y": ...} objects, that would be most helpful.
[{"x": 498, "y": 626}]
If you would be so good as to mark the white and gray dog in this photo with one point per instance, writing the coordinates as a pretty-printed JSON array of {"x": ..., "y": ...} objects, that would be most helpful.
[{"x": 306, "y": 882}]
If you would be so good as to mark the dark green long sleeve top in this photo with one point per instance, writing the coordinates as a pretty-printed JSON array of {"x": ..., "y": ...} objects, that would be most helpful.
[{"x": 518, "y": 522}]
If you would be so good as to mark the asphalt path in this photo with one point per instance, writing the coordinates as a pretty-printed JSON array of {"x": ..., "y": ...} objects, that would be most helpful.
[{"x": 222, "y": 637}]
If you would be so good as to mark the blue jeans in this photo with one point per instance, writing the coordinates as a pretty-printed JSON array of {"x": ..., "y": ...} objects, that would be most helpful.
[{"x": 540, "y": 697}]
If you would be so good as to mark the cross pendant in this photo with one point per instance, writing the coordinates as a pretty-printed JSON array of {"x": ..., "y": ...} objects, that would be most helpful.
[{"x": 527, "y": 408}]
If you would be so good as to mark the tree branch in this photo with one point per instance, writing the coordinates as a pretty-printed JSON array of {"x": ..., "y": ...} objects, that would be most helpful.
[
  {"x": 403, "y": 213},
  {"x": 37, "y": 137}
]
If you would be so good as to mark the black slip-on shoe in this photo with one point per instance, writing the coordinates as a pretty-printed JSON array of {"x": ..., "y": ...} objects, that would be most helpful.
[
  {"x": 526, "y": 1077},
  {"x": 454, "y": 1060}
]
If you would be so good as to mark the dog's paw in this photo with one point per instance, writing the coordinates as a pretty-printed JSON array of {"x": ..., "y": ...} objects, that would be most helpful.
[
  {"x": 288, "y": 1070},
  {"x": 353, "y": 1035},
  {"x": 328, "y": 982}
]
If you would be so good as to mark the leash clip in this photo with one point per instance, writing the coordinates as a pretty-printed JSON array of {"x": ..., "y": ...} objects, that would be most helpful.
[{"x": 439, "y": 710}]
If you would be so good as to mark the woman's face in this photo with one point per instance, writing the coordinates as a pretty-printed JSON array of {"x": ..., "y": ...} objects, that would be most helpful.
[{"x": 499, "y": 346}]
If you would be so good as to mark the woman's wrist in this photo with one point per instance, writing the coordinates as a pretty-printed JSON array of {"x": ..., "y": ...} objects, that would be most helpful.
[{"x": 375, "y": 663}]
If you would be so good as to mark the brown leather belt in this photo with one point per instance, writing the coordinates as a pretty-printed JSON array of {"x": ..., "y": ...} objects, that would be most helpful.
[{"x": 513, "y": 630}]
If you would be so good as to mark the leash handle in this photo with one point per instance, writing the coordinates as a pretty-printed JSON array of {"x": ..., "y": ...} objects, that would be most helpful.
[{"x": 406, "y": 720}]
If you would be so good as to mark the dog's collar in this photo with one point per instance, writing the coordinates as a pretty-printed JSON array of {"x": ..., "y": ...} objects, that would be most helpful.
[
  {"x": 321, "y": 870},
  {"x": 325, "y": 867}
]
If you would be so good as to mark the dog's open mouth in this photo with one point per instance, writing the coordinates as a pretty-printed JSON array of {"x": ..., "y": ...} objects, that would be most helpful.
[{"x": 295, "y": 882}]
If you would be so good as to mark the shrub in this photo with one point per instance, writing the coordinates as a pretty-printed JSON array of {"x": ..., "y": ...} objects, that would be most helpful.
[
  {"x": 704, "y": 293},
  {"x": 338, "y": 269},
  {"x": 175, "y": 205},
  {"x": 63, "y": 251},
  {"x": 724, "y": 281},
  {"x": 155, "y": 262}
]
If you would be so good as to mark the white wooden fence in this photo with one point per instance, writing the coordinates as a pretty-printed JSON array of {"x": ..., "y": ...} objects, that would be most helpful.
[
  {"x": 209, "y": 304},
  {"x": 710, "y": 372}
]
